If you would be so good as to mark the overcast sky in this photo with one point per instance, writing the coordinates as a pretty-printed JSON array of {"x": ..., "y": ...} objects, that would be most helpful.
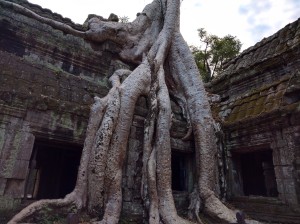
[{"x": 248, "y": 20}]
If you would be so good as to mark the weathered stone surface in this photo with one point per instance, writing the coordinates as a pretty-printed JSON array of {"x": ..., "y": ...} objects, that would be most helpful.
[
  {"x": 14, "y": 188},
  {"x": 259, "y": 110},
  {"x": 26, "y": 147},
  {"x": 276, "y": 211},
  {"x": 47, "y": 84},
  {"x": 48, "y": 81},
  {"x": 183, "y": 146},
  {"x": 2, "y": 185}
]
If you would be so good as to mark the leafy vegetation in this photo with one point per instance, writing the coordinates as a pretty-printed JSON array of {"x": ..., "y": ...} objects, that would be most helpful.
[{"x": 214, "y": 52}]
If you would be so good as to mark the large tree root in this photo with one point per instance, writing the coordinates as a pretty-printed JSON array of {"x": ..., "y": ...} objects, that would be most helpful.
[
  {"x": 165, "y": 67},
  {"x": 185, "y": 69}
]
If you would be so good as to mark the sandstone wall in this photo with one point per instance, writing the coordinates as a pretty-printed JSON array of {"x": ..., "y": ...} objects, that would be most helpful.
[
  {"x": 47, "y": 83},
  {"x": 260, "y": 110},
  {"x": 48, "y": 80}
]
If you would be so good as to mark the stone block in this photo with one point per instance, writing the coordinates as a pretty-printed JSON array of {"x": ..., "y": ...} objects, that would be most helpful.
[
  {"x": 130, "y": 209},
  {"x": 4, "y": 172},
  {"x": 76, "y": 96},
  {"x": 2, "y": 138},
  {"x": 2, "y": 185},
  {"x": 20, "y": 169},
  {"x": 291, "y": 199},
  {"x": 276, "y": 157},
  {"x": 138, "y": 121},
  {"x": 288, "y": 172},
  {"x": 133, "y": 152},
  {"x": 12, "y": 111},
  {"x": 50, "y": 91},
  {"x": 284, "y": 172},
  {"x": 178, "y": 129},
  {"x": 130, "y": 181},
  {"x": 289, "y": 187},
  {"x": 64, "y": 94},
  {"x": 142, "y": 102},
  {"x": 10, "y": 165},
  {"x": 15, "y": 188},
  {"x": 287, "y": 156},
  {"x": 133, "y": 132},
  {"x": 286, "y": 187},
  {"x": 26, "y": 146},
  {"x": 137, "y": 133},
  {"x": 178, "y": 144},
  {"x": 283, "y": 153},
  {"x": 37, "y": 119},
  {"x": 278, "y": 172},
  {"x": 132, "y": 159},
  {"x": 8, "y": 203},
  {"x": 280, "y": 186},
  {"x": 127, "y": 195},
  {"x": 11, "y": 141},
  {"x": 140, "y": 111}
]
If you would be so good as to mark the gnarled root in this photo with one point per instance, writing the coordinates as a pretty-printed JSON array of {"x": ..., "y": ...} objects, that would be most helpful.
[
  {"x": 50, "y": 22},
  {"x": 157, "y": 156},
  {"x": 152, "y": 41},
  {"x": 183, "y": 65},
  {"x": 37, "y": 206},
  {"x": 136, "y": 84},
  {"x": 166, "y": 202}
]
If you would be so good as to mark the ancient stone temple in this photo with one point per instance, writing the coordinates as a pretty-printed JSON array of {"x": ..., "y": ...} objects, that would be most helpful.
[
  {"x": 259, "y": 114},
  {"x": 47, "y": 83}
]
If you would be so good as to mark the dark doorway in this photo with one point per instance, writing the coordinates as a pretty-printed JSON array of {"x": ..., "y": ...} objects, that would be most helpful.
[
  {"x": 53, "y": 170},
  {"x": 258, "y": 174},
  {"x": 178, "y": 172},
  {"x": 182, "y": 171}
]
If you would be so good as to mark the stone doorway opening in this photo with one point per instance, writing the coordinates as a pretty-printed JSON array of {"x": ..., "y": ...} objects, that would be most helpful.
[
  {"x": 53, "y": 170},
  {"x": 257, "y": 173},
  {"x": 182, "y": 171}
]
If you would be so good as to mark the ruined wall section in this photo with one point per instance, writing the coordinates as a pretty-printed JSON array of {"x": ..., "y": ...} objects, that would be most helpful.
[
  {"x": 47, "y": 83},
  {"x": 260, "y": 110}
]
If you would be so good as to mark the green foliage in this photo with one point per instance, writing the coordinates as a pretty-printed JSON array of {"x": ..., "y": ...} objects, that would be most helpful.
[{"x": 214, "y": 51}]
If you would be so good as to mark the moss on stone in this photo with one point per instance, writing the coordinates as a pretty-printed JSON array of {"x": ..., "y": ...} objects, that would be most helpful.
[{"x": 261, "y": 100}]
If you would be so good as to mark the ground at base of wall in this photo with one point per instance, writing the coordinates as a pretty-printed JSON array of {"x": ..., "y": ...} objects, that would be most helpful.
[
  {"x": 61, "y": 216},
  {"x": 267, "y": 209}
]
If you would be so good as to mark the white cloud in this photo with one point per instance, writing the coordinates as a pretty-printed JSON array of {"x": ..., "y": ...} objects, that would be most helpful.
[
  {"x": 266, "y": 17},
  {"x": 248, "y": 20}
]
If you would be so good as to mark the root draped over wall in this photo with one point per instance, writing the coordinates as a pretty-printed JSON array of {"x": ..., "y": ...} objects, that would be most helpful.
[{"x": 164, "y": 67}]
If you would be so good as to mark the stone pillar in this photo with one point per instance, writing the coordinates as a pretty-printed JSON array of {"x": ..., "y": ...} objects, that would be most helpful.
[
  {"x": 16, "y": 147},
  {"x": 283, "y": 158},
  {"x": 132, "y": 172},
  {"x": 235, "y": 179},
  {"x": 296, "y": 137}
]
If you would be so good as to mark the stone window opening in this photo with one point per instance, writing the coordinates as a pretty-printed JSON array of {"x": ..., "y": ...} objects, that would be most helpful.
[
  {"x": 257, "y": 173},
  {"x": 182, "y": 171},
  {"x": 53, "y": 170}
]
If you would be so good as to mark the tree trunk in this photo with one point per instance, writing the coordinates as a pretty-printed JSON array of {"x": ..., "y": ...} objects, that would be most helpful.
[{"x": 164, "y": 64}]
